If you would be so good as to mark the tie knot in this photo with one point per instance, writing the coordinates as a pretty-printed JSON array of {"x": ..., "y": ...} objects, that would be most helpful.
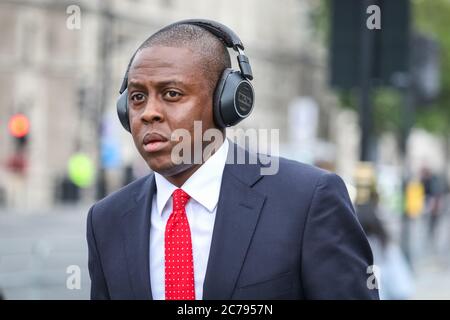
[{"x": 180, "y": 199}]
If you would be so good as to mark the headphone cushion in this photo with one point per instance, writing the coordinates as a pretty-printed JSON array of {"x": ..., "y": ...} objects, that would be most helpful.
[
  {"x": 217, "y": 98},
  {"x": 122, "y": 110}
]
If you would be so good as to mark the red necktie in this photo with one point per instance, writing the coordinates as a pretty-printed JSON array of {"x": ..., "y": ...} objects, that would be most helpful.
[{"x": 179, "y": 264}]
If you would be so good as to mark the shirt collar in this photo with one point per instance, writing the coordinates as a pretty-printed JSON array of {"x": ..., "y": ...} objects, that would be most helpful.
[{"x": 203, "y": 186}]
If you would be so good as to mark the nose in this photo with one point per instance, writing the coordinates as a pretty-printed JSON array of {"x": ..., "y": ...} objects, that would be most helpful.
[{"x": 153, "y": 111}]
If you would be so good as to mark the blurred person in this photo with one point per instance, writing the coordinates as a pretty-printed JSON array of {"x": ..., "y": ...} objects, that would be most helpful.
[
  {"x": 434, "y": 191},
  {"x": 216, "y": 229},
  {"x": 396, "y": 280},
  {"x": 2, "y": 196}
]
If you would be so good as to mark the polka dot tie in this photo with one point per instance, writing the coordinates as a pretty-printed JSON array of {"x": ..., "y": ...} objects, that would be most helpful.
[{"x": 179, "y": 264}]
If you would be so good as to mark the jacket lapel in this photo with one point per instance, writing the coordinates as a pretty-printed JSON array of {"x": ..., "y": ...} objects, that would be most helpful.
[
  {"x": 237, "y": 215},
  {"x": 136, "y": 226}
]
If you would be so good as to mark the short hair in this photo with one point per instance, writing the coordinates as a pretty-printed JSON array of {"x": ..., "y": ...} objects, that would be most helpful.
[{"x": 214, "y": 55}]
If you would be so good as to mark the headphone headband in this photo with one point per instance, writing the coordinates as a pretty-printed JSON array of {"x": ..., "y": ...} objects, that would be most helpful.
[{"x": 221, "y": 31}]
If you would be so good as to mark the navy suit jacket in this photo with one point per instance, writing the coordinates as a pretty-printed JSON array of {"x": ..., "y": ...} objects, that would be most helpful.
[{"x": 292, "y": 235}]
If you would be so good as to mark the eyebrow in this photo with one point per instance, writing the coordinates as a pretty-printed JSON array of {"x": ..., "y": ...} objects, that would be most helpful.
[
  {"x": 140, "y": 85},
  {"x": 135, "y": 84}
]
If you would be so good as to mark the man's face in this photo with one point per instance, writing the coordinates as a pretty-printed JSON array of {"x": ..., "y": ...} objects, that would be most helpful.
[{"x": 167, "y": 90}]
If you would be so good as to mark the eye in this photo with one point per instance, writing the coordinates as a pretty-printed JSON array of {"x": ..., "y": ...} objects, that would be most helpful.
[
  {"x": 137, "y": 97},
  {"x": 172, "y": 95}
]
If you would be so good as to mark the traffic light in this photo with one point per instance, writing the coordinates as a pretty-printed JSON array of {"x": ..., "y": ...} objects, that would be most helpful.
[
  {"x": 19, "y": 128},
  {"x": 389, "y": 50}
]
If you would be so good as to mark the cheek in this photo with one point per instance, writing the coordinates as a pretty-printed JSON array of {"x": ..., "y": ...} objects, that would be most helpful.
[
  {"x": 204, "y": 110},
  {"x": 134, "y": 120},
  {"x": 185, "y": 115},
  {"x": 208, "y": 115}
]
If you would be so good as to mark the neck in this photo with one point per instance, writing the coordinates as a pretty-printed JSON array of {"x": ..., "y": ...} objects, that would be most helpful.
[{"x": 180, "y": 178}]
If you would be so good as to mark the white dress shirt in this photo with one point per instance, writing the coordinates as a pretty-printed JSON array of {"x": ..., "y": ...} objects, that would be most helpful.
[{"x": 204, "y": 188}]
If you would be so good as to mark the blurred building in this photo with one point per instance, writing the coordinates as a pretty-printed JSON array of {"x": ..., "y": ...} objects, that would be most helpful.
[{"x": 66, "y": 79}]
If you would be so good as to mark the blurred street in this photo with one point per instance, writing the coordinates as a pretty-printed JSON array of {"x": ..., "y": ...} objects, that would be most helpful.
[
  {"x": 432, "y": 262},
  {"x": 35, "y": 250},
  {"x": 37, "y": 247},
  {"x": 433, "y": 280}
]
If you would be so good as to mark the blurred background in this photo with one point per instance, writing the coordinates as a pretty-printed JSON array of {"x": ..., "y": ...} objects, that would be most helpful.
[{"x": 359, "y": 87}]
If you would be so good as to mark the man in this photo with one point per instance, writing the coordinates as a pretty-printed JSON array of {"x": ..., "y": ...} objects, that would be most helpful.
[{"x": 216, "y": 229}]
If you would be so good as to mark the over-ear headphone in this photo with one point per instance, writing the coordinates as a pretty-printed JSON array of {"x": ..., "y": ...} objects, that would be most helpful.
[{"x": 234, "y": 94}]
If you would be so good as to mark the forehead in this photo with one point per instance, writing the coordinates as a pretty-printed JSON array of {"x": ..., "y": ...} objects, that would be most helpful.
[{"x": 162, "y": 62}]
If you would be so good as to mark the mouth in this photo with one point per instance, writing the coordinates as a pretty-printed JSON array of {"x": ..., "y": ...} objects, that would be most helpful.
[{"x": 154, "y": 142}]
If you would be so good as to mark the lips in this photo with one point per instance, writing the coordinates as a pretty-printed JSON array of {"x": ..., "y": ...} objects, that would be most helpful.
[{"x": 154, "y": 141}]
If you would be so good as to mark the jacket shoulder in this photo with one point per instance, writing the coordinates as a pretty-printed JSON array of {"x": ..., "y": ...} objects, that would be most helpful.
[
  {"x": 297, "y": 170},
  {"x": 300, "y": 178}
]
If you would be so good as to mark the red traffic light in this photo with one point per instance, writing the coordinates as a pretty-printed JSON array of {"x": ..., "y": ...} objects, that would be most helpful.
[{"x": 19, "y": 126}]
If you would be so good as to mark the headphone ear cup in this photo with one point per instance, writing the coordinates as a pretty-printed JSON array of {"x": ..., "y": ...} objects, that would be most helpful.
[
  {"x": 122, "y": 110},
  {"x": 234, "y": 99},
  {"x": 218, "y": 119}
]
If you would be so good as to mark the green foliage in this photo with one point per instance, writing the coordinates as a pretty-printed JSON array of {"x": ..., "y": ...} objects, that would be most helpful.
[
  {"x": 320, "y": 20},
  {"x": 432, "y": 18},
  {"x": 387, "y": 106}
]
